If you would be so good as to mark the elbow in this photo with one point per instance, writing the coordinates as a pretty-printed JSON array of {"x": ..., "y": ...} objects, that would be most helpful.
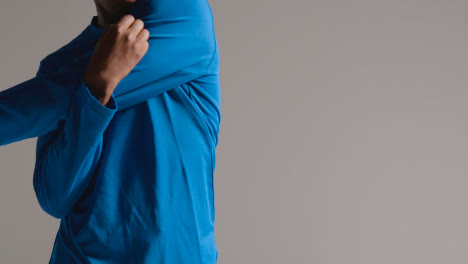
[{"x": 52, "y": 210}]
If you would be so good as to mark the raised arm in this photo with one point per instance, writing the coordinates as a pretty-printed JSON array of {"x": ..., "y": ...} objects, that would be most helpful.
[
  {"x": 182, "y": 45},
  {"x": 66, "y": 159}
]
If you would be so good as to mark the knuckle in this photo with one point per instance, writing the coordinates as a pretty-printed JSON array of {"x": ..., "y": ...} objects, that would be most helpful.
[
  {"x": 120, "y": 29},
  {"x": 129, "y": 37},
  {"x": 144, "y": 35},
  {"x": 135, "y": 48},
  {"x": 145, "y": 47},
  {"x": 141, "y": 50}
]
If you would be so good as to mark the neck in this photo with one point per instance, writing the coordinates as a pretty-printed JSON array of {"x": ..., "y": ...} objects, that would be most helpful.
[{"x": 107, "y": 16}]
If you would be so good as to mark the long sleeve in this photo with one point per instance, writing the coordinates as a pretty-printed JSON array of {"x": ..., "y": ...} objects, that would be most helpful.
[
  {"x": 182, "y": 45},
  {"x": 31, "y": 108},
  {"x": 182, "y": 48},
  {"x": 66, "y": 157}
]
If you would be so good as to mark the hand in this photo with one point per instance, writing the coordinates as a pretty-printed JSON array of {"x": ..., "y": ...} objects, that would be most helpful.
[{"x": 118, "y": 51}]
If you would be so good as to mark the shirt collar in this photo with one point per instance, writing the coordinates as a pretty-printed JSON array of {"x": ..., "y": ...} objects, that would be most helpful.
[{"x": 94, "y": 28}]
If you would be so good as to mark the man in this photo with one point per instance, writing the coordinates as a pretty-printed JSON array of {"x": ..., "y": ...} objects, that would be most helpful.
[{"x": 126, "y": 161}]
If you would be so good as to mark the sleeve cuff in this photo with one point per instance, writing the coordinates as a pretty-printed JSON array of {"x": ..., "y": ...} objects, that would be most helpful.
[{"x": 86, "y": 99}]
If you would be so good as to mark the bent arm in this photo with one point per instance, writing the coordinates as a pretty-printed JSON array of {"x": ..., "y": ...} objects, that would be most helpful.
[
  {"x": 67, "y": 157},
  {"x": 182, "y": 45}
]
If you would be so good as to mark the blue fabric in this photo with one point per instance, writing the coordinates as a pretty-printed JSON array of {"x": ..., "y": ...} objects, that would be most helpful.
[{"x": 131, "y": 181}]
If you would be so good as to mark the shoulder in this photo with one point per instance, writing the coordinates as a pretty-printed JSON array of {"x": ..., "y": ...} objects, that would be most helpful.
[
  {"x": 190, "y": 20},
  {"x": 64, "y": 55}
]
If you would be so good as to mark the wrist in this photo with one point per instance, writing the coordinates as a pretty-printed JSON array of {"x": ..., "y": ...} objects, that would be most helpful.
[
  {"x": 100, "y": 87},
  {"x": 104, "y": 100}
]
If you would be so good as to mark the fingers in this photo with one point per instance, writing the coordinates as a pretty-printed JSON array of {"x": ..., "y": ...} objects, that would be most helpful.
[
  {"x": 135, "y": 28},
  {"x": 125, "y": 21},
  {"x": 143, "y": 35},
  {"x": 137, "y": 25},
  {"x": 144, "y": 48}
]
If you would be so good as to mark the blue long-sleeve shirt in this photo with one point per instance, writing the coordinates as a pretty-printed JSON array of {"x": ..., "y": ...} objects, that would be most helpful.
[{"x": 132, "y": 181}]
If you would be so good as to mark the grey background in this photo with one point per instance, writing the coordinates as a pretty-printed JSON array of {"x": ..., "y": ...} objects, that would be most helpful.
[{"x": 343, "y": 136}]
